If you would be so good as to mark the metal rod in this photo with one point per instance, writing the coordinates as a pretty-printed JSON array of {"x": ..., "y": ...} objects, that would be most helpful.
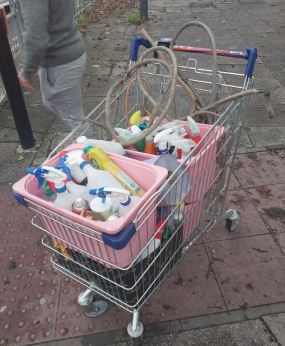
[
  {"x": 13, "y": 89},
  {"x": 135, "y": 321},
  {"x": 144, "y": 10}
]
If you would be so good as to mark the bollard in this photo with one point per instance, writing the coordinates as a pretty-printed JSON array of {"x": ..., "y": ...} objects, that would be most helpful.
[
  {"x": 144, "y": 10},
  {"x": 13, "y": 89}
]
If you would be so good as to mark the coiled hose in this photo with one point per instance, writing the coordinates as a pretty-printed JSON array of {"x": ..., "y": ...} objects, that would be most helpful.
[{"x": 161, "y": 107}]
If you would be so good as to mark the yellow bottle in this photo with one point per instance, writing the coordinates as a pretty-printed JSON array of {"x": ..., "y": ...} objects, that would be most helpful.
[{"x": 106, "y": 163}]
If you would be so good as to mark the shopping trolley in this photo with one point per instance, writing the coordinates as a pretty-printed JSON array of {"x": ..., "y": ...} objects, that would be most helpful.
[{"x": 164, "y": 230}]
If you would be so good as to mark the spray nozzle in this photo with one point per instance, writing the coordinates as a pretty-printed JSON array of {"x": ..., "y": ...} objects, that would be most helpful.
[
  {"x": 53, "y": 175},
  {"x": 62, "y": 166},
  {"x": 38, "y": 172},
  {"x": 193, "y": 126},
  {"x": 102, "y": 192}
]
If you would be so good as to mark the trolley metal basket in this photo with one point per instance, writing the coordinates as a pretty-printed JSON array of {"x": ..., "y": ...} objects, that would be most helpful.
[{"x": 200, "y": 184}]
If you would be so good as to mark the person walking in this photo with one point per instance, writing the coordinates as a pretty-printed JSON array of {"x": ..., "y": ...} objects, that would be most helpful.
[{"x": 54, "y": 48}]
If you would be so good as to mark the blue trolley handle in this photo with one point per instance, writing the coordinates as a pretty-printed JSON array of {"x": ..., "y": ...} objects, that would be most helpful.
[
  {"x": 250, "y": 55},
  {"x": 136, "y": 42}
]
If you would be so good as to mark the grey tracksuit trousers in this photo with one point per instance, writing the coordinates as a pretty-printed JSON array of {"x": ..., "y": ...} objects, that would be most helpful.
[{"x": 61, "y": 89}]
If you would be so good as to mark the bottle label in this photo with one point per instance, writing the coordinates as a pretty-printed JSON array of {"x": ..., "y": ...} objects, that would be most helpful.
[
  {"x": 94, "y": 163},
  {"x": 129, "y": 182}
]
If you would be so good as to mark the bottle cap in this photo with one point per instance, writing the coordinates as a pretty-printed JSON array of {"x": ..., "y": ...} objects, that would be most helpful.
[
  {"x": 113, "y": 218},
  {"x": 87, "y": 149},
  {"x": 81, "y": 139},
  {"x": 101, "y": 205}
]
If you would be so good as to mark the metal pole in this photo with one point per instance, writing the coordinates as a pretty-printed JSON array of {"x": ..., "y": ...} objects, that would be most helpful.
[
  {"x": 144, "y": 10},
  {"x": 13, "y": 89}
]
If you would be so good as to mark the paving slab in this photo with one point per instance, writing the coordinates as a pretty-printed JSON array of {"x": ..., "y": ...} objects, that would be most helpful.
[
  {"x": 267, "y": 137},
  {"x": 250, "y": 271},
  {"x": 250, "y": 225},
  {"x": 13, "y": 165},
  {"x": 237, "y": 334},
  {"x": 189, "y": 282},
  {"x": 276, "y": 323},
  {"x": 280, "y": 239},
  {"x": 70, "y": 319},
  {"x": 20, "y": 247},
  {"x": 258, "y": 169},
  {"x": 270, "y": 202},
  {"x": 197, "y": 291},
  {"x": 28, "y": 306}
]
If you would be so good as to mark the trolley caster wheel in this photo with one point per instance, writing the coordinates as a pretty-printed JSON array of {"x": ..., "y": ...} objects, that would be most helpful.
[
  {"x": 97, "y": 308},
  {"x": 233, "y": 223},
  {"x": 135, "y": 333}
]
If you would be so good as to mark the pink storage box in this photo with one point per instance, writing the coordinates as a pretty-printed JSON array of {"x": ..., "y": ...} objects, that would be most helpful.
[
  {"x": 90, "y": 237},
  {"x": 202, "y": 170}
]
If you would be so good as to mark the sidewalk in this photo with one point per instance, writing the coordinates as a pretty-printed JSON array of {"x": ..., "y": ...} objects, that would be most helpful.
[{"x": 230, "y": 285}]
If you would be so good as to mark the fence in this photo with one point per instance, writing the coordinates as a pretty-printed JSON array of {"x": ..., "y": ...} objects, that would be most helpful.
[{"x": 15, "y": 29}]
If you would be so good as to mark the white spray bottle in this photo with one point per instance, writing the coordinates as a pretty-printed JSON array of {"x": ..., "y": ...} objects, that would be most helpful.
[
  {"x": 109, "y": 147},
  {"x": 168, "y": 161},
  {"x": 105, "y": 205},
  {"x": 96, "y": 178},
  {"x": 64, "y": 199}
]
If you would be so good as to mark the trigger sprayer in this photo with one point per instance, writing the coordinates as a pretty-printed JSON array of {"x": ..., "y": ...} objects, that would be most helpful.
[
  {"x": 103, "y": 205},
  {"x": 64, "y": 199},
  {"x": 39, "y": 172}
]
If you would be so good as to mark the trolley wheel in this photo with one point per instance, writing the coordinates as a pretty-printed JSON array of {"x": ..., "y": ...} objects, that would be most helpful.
[
  {"x": 97, "y": 308},
  {"x": 232, "y": 224},
  {"x": 137, "y": 333}
]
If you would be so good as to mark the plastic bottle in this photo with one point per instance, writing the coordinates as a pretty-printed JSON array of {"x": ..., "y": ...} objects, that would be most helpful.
[
  {"x": 135, "y": 118},
  {"x": 110, "y": 147},
  {"x": 106, "y": 163},
  {"x": 194, "y": 130},
  {"x": 127, "y": 204},
  {"x": 182, "y": 186},
  {"x": 72, "y": 162},
  {"x": 64, "y": 199},
  {"x": 182, "y": 147},
  {"x": 152, "y": 246},
  {"x": 125, "y": 134},
  {"x": 102, "y": 205},
  {"x": 98, "y": 178},
  {"x": 149, "y": 145},
  {"x": 77, "y": 190}
]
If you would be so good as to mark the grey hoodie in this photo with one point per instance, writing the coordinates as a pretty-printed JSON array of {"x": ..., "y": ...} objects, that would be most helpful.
[{"x": 50, "y": 36}]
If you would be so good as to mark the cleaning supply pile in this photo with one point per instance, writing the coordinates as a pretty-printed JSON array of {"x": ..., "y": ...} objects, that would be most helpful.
[{"x": 89, "y": 183}]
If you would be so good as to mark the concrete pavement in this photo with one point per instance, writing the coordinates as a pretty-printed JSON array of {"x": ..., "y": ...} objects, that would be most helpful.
[{"x": 235, "y": 291}]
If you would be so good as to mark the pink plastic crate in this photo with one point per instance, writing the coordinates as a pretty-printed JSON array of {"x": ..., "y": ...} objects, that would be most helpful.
[
  {"x": 202, "y": 170},
  {"x": 86, "y": 236}
]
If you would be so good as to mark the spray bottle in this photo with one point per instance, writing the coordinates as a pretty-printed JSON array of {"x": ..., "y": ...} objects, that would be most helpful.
[
  {"x": 136, "y": 118},
  {"x": 107, "y": 164},
  {"x": 110, "y": 147},
  {"x": 63, "y": 199},
  {"x": 71, "y": 161},
  {"x": 96, "y": 178},
  {"x": 42, "y": 183},
  {"x": 149, "y": 145},
  {"x": 76, "y": 189},
  {"x": 105, "y": 205},
  {"x": 169, "y": 162},
  {"x": 194, "y": 130}
]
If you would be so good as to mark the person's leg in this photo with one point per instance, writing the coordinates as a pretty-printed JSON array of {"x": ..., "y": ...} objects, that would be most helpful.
[{"x": 61, "y": 90}]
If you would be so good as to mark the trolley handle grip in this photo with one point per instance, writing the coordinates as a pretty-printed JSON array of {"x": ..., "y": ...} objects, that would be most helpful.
[
  {"x": 136, "y": 42},
  {"x": 250, "y": 55}
]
